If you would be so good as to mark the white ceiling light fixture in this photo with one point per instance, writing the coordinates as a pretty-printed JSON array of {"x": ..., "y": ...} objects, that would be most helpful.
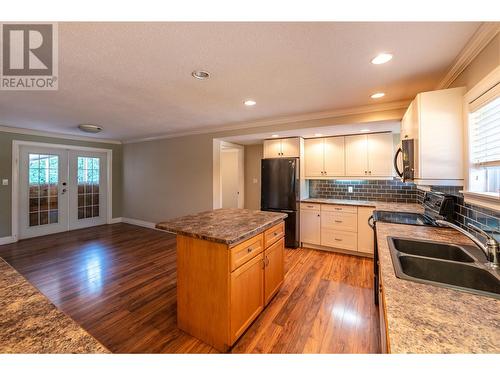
[
  {"x": 382, "y": 58},
  {"x": 201, "y": 74},
  {"x": 90, "y": 128},
  {"x": 377, "y": 95},
  {"x": 250, "y": 102}
]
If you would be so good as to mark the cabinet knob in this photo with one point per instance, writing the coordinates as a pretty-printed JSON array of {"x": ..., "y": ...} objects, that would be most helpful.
[
  {"x": 249, "y": 249},
  {"x": 366, "y": 172},
  {"x": 370, "y": 172},
  {"x": 318, "y": 215}
]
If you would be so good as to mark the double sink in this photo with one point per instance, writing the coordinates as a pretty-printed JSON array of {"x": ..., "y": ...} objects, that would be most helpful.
[{"x": 458, "y": 267}]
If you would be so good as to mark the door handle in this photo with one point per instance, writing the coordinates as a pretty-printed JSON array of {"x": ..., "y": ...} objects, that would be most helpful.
[{"x": 400, "y": 174}]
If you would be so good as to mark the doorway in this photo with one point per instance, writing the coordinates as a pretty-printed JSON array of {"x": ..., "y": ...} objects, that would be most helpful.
[
  {"x": 59, "y": 189},
  {"x": 229, "y": 175}
]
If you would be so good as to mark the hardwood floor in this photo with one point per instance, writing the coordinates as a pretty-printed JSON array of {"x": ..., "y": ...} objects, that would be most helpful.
[{"x": 119, "y": 283}]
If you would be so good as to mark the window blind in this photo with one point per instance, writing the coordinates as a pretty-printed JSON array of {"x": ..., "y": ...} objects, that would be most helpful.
[{"x": 485, "y": 134}]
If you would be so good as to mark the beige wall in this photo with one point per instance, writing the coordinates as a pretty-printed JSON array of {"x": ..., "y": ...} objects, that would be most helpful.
[
  {"x": 229, "y": 172},
  {"x": 253, "y": 156},
  {"x": 171, "y": 177},
  {"x": 6, "y": 172},
  {"x": 485, "y": 62}
]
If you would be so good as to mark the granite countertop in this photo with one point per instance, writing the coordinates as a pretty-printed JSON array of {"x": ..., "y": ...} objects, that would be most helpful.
[
  {"x": 32, "y": 324},
  {"x": 384, "y": 206},
  {"x": 422, "y": 318},
  {"x": 227, "y": 225}
]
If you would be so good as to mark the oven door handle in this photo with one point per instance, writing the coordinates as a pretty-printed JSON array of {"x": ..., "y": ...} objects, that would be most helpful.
[
  {"x": 400, "y": 150},
  {"x": 371, "y": 222}
]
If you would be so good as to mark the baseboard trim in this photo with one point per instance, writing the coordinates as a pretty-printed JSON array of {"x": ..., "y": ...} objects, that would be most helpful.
[
  {"x": 140, "y": 223},
  {"x": 336, "y": 250},
  {"x": 116, "y": 220},
  {"x": 7, "y": 240}
]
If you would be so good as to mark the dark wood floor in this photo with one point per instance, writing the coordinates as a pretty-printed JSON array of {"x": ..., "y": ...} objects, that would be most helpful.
[{"x": 119, "y": 283}]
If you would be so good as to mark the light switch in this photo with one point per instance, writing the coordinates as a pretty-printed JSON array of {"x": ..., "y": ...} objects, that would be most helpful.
[
  {"x": 349, "y": 189},
  {"x": 255, "y": 180},
  {"x": 5, "y": 182}
]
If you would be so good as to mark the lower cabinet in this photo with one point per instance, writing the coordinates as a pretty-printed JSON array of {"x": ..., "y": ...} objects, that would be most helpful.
[
  {"x": 222, "y": 289},
  {"x": 247, "y": 295},
  {"x": 342, "y": 227},
  {"x": 274, "y": 269}
]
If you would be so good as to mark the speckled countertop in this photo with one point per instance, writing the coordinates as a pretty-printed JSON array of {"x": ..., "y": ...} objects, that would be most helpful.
[
  {"x": 384, "y": 206},
  {"x": 422, "y": 318},
  {"x": 30, "y": 323},
  {"x": 228, "y": 225}
]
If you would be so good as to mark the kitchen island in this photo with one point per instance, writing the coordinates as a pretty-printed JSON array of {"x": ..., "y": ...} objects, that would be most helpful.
[{"x": 230, "y": 263}]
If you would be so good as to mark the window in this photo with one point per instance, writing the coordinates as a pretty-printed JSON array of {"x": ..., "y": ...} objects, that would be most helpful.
[
  {"x": 484, "y": 128},
  {"x": 483, "y": 104}
]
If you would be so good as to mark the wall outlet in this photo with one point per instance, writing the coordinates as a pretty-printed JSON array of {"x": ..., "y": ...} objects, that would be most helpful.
[
  {"x": 255, "y": 180},
  {"x": 5, "y": 182},
  {"x": 349, "y": 189}
]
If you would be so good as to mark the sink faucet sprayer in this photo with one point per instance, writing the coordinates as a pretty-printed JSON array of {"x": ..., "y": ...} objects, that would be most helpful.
[{"x": 491, "y": 248}]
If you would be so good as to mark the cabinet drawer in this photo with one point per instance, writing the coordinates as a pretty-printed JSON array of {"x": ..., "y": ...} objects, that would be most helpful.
[
  {"x": 242, "y": 253},
  {"x": 340, "y": 221},
  {"x": 339, "y": 239},
  {"x": 339, "y": 208},
  {"x": 273, "y": 234},
  {"x": 310, "y": 206}
]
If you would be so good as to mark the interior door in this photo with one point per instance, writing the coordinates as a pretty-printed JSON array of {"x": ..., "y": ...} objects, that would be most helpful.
[
  {"x": 87, "y": 189},
  {"x": 356, "y": 158},
  {"x": 334, "y": 156},
  {"x": 314, "y": 157},
  {"x": 43, "y": 207}
]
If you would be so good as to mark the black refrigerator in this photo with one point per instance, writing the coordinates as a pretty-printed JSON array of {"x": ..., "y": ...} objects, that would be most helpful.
[{"x": 280, "y": 192}]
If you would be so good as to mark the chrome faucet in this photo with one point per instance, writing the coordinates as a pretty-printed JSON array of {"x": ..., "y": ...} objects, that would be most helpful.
[{"x": 491, "y": 248}]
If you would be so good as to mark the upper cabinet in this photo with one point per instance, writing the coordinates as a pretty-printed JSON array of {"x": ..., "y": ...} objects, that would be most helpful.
[
  {"x": 369, "y": 155},
  {"x": 282, "y": 148},
  {"x": 434, "y": 120},
  {"x": 324, "y": 157}
]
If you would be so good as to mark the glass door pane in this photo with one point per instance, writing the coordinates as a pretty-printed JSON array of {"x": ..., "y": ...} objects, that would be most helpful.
[
  {"x": 88, "y": 172},
  {"x": 43, "y": 181}
]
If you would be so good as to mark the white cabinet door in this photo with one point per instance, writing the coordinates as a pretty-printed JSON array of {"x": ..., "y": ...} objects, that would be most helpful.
[
  {"x": 272, "y": 148},
  {"x": 365, "y": 232},
  {"x": 380, "y": 152},
  {"x": 290, "y": 147},
  {"x": 310, "y": 226},
  {"x": 313, "y": 157},
  {"x": 334, "y": 156},
  {"x": 356, "y": 159}
]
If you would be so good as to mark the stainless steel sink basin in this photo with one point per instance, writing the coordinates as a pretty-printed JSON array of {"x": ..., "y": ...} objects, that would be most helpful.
[
  {"x": 433, "y": 250},
  {"x": 450, "y": 266}
]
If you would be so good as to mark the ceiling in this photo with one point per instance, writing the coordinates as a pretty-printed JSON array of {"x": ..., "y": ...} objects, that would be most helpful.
[{"x": 134, "y": 79}]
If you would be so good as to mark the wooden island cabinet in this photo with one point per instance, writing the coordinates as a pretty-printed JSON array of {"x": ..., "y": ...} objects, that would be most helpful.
[{"x": 227, "y": 272}]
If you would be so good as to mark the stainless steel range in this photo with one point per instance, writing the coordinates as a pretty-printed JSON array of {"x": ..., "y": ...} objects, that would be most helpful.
[{"x": 437, "y": 206}]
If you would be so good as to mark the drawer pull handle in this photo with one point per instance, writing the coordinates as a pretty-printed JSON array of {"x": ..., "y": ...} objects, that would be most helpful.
[
  {"x": 338, "y": 208},
  {"x": 310, "y": 206},
  {"x": 338, "y": 221},
  {"x": 338, "y": 239},
  {"x": 275, "y": 233}
]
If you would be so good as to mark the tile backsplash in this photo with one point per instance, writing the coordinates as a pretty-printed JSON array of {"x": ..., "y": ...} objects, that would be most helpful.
[
  {"x": 372, "y": 190},
  {"x": 467, "y": 213}
]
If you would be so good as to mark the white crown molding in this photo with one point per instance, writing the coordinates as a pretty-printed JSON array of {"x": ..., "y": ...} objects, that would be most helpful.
[
  {"x": 42, "y": 133},
  {"x": 401, "y": 104},
  {"x": 484, "y": 34}
]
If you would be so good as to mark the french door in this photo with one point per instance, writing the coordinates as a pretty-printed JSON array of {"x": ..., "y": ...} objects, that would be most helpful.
[{"x": 60, "y": 190}]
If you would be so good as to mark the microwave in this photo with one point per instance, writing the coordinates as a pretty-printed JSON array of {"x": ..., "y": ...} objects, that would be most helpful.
[{"x": 407, "y": 151}]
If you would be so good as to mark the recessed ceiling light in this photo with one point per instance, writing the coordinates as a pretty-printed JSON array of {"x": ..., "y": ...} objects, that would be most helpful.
[
  {"x": 377, "y": 95},
  {"x": 364, "y": 130},
  {"x": 275, "y": 136},
  {"x": 200, "y": 74},
  {"x": 318, "y": 135},
  {"x": 89, "y": 128},
  {"x": 250, "y": 102},
  {"x": 382, "y": 58}
]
